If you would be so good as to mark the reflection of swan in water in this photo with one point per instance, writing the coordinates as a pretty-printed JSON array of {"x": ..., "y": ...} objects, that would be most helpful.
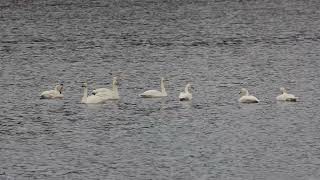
[
  {"x": 186, "y": 95},
  {"x": 110, "y": 94},
  {"x": 155, "y": 93},
  {"x": 91, "y": 99},
  {"x": 285, "y": 96},
  {"x": 246, "y": 98},
  {"x": 53, "y": 94}
]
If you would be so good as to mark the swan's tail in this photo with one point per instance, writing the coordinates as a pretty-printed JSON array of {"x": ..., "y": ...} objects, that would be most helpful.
[{"x": 292, "y": 99}]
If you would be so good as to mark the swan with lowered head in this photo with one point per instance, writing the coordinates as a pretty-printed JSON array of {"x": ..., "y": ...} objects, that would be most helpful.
[
  {"x": 91, "y": 99},
  {"x": 285, "y": 96},
  {"x": 186, "y": 95},
  {"x": 111, "y": 94},
  {"x": 53, "y": 94},
  {"x": 155, "y": 93},
  {"x": 246, "y": 98}
]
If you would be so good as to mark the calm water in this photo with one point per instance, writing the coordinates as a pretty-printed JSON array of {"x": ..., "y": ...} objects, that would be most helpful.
[{"x": 218, "y": 46}]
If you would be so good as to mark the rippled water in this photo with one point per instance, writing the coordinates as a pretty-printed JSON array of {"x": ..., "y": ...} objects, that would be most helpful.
[{"x": 218, "y": 46}]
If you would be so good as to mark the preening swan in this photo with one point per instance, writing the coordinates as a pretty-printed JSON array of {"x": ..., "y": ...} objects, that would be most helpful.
[
  {"x": 155, "y": 93},
  {"x": 53, "y": 94},
  {"x": 91, "y": 99},
  {"x": 246, "y": 98},
  {"x": 285, "y": 96},
  {"x": 110, "y": 94},
  {"x": 186, "y": 95}
]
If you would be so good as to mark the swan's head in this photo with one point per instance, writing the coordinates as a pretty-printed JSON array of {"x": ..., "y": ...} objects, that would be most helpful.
[
  {"x": 188, "y": 86},
  {"x": 243, "y": 92},
  {"x": 164, "y": 80},
  {"x": 84, "y": 84},
  {"x": 283, "y": 90},
  {"x": 60, "y": 88},
  {"x": 115, "y": 81}
]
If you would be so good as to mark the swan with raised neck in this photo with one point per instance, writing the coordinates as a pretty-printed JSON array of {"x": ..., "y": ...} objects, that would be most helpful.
[
  {"x": 186, "y": 95},
  {"x": 111, "y": 94},
  {"x": 155, "y": 93},
  {"x": 91, "y": 99},
  {"x": 285, "y": 96},
  {"x": 245, "y": 97}
]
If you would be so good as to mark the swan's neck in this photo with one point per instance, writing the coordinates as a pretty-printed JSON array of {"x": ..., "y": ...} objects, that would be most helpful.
[
  {"x": 186, "y": 89},
  {"x": 85, "y": 95},
  {"x": 57, "y": 88},
  {"x": 115, "y": 90},
  {"x": 283, "y": 90},
  {"x": 245, "y": 93},
  {"x": 163, "y": 90}
]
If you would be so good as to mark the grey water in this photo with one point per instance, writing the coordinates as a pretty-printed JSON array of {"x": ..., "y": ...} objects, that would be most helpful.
[{"x": 219, "y": 46}]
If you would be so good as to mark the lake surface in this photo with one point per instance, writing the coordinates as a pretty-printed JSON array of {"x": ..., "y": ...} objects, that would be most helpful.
[{"x": 218, "y": 46}]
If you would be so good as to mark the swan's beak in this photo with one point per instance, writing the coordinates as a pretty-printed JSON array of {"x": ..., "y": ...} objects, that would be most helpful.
[{"x": 94, "y": 93}]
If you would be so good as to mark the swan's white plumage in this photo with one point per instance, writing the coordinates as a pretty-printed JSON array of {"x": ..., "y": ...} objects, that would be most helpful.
[
  {"x": 102, "y": 90},
  {"x": 91, "y": 99},
  {"x": 155, "y": 93},
  {"x": 246, "y": 98},
  {"x": 53, "y": 94},
  {"x": 107, "y": 93},
  {"x": 152, "y": 93},
  {"x": 285, "y": 96},
  {"x": 186, "y": 95}
]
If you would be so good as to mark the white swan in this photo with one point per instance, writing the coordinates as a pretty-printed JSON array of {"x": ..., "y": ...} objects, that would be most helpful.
[
  {"x": 155, "y": 93},
  {"x": 91, "y": 99},
  {"x": 110, "y": 94},
  {"x": 105, "y": 90},
  {"x": 186, "y": 95},
  {"x": 53, "y": 94},
  {"x": 285, "y": 96},
  {"x": 246, "y": 98}
]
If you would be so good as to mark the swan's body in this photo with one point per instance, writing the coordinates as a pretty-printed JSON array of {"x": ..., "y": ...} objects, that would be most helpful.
[
  {"x": 246, "y": 98},
  {"x": 186, "y": 95},
  {"x": 91, "y": 99},
  {"x": 102, "y": 90},
  {"x": 53, "y": 94},
  {"x": 107, "y": 93},
  {"x": 285, "y": 96},
  {"x": 155, "y": 93}
]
